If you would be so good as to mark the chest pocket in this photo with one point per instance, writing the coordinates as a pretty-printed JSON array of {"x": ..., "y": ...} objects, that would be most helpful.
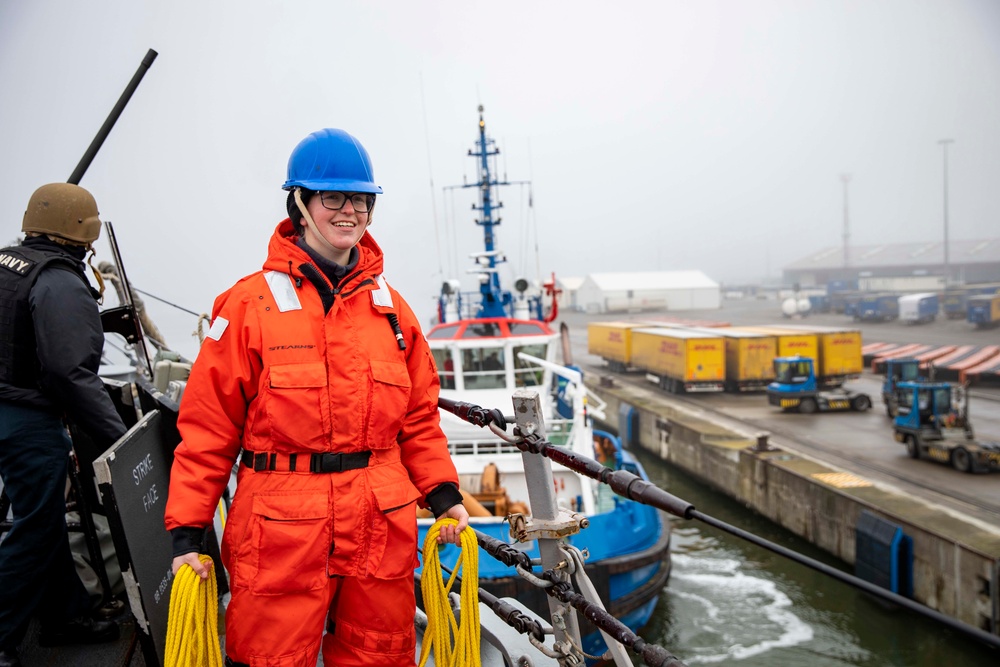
[
  {"x": 297, "y": 406},
  {"x": 390, "y": 390}
]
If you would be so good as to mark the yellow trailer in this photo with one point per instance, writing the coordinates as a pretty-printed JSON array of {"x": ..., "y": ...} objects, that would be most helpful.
[
  {"x": 612, "y": 341},
  {"x": 680, "y": 360},
  {"x": 749, "y": 359},
  {"x": 790, "y": 343},
  {"x": 839, "y": 357}
]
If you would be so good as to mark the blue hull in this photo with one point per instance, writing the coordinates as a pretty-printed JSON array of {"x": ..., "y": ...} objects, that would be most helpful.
[{"x": 628, "y": 562}]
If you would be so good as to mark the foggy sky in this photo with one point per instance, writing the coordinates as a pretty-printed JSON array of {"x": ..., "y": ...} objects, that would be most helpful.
[{"x": 657, "y": 135}]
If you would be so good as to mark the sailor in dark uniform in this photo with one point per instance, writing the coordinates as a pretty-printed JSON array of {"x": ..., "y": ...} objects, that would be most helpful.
[{"x": 50, "y": 349}]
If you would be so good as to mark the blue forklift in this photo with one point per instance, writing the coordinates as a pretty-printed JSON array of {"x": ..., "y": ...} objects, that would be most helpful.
[{"x": 795, "y": 389}]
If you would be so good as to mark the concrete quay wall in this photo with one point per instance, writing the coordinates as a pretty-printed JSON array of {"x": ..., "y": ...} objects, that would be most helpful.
[{"x": 956, "y": 561}]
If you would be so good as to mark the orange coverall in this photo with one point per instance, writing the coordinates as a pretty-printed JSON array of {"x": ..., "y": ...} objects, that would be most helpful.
[{"x": 278, "y": 377}]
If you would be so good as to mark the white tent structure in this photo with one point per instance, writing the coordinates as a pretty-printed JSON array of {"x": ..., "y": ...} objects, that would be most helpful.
[
  {"x": 648, "y": 290},
  {"x": 569, "y": 288}
]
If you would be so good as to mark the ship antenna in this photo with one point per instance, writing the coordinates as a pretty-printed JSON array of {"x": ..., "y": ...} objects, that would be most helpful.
[
  {"x": 532, "y": 220},
  {"x": 430, "y": 173},
  {"x": 494, "y": 301}
]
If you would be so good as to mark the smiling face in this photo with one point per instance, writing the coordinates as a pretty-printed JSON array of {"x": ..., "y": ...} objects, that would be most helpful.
[{"x": 333, "y": 233}]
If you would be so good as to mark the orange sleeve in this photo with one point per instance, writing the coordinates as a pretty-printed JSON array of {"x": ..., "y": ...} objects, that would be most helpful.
[
  {"x": 424, "y": 448},
  {"x": 223, "y": 381}
]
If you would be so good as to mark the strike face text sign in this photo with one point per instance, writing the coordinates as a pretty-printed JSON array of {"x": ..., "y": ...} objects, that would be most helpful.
[{"x": 133, "y": 477}]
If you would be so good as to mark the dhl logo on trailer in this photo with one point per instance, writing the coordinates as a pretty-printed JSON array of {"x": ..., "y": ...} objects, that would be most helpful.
[
  {"x": 790, "y": 343},
  {"x": 839, "y": 351},
  {"x": 689, "y": 361},
  {"x": 612, "y": 341}
]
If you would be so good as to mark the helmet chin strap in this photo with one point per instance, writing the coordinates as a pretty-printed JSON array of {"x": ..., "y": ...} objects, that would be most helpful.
[
  {"x": 296, "y": 193},
  {"x": 97, "y": 274},
  {"x": 309, "y": 221},
  {"x": 89, "y": 260}
]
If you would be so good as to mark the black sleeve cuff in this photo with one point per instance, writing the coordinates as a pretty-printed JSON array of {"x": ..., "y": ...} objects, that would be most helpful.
[
  {"x": 187, "y": 539},
  {"x": 443, "y": 498}
]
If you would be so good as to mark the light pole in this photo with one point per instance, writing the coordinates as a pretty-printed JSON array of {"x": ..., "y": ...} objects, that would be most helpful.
[
  {"x": 845, "y": 179},
  {"x": 947, "y": 268}
]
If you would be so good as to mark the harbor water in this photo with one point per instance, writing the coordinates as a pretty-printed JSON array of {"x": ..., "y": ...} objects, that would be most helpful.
[{"x": 730, "y": 602}]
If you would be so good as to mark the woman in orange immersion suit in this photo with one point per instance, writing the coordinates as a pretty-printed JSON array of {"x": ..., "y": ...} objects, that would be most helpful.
[{"x": 317, "y": 370}]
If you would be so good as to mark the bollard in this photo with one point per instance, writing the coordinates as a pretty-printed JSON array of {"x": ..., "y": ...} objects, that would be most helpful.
[{"x": 762, "y": 445}]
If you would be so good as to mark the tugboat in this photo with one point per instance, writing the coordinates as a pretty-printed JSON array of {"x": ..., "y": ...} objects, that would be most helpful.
[{"x": 489, "y": 344}]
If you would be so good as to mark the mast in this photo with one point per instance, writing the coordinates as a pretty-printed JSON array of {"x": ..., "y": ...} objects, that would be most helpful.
[{"x": 494, "y": 299}]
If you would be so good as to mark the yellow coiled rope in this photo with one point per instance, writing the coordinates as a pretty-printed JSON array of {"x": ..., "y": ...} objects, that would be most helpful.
[
  {"x": 193, "y": 622},
  {"x": 441, "y": 623}
]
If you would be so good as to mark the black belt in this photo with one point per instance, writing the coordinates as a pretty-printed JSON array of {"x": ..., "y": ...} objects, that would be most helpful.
[{"x": 319, "y": 463}]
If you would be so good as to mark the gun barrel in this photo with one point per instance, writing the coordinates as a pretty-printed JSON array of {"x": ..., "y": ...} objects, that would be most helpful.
[{"x": 105, "y": 130}]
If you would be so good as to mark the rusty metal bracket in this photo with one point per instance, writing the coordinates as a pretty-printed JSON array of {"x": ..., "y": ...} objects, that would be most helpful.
[{"x": 525, "y": 528}]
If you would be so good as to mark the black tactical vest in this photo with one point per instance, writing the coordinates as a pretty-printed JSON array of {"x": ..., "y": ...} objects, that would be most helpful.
[{"x": 19, "y": 268}]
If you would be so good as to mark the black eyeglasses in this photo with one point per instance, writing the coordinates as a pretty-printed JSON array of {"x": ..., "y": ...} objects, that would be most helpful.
[{"x": 335, "y": 201}]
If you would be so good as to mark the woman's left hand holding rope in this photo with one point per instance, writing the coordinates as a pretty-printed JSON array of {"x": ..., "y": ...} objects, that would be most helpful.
[
  {"x": 201, "y": 569},
  {"x": 453, "y": 532}
]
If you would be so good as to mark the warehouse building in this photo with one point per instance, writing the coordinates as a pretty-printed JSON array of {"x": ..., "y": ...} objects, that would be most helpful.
[
  {"x": 899, "y": 266},
  {"x": 647, "y": 291}
]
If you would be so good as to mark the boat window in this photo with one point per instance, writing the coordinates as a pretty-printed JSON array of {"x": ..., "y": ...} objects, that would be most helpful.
[
  {"x": 482, "y": 330},
  {"x": 525, "y": 329},
  {"x": 483, "y": 368},
  {"x": 448, "y": 331},
  {"x": 527, "y": 374},
  {"x": 446, "y": 368}
]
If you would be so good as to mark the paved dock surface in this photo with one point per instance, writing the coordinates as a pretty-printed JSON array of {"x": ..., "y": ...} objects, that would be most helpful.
[{"x": 859, "y": 443}]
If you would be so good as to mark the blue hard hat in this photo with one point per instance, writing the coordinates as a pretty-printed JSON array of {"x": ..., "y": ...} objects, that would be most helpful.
[{"x": 331, "y": 159}]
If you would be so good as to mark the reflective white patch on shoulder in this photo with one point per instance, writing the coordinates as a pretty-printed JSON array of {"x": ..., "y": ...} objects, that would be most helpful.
[
  {"x": 218, "y": 328},
  {"x": 282, "y": 291},
  {"x": 382, "y": 296}
]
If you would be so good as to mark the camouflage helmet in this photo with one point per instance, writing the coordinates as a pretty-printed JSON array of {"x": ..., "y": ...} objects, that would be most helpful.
[{"x": 63, "y": 210}]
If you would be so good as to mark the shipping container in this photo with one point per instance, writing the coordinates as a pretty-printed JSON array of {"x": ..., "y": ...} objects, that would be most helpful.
[
  {"x": 749, "y": 358},
  {"x": 975, "y": 289},
  {"x": 819, "y": 303},
  {"x": 983, "y": 310},
  {"x": 877, "y": 307},
  {"x": 790, "y": 343},
  {"x": 851, "y": 303},
  {"x": 840, "y": 299},
  {"x": 680, "y": 360},
  {"x": 839, "y": 356},
  {"x": 954, "y": 303},
  {"x": 918, "y": 308},
  {"x": 612, "y": 341}
]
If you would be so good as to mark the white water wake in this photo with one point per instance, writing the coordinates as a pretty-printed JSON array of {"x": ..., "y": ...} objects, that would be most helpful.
[{"x": 747, "y": 614}]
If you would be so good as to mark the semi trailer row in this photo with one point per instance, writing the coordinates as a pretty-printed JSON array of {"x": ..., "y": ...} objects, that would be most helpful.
[
  {"x": 683, "y": 358},
  {"x": 979, "y": 304}
]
